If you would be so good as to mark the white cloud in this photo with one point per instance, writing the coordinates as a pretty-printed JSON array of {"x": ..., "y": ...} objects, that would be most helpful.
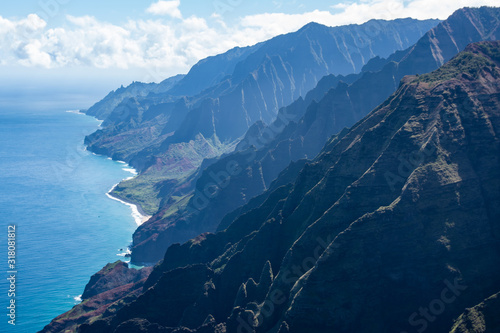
[
  {"x": 35, "y": 55},
  {"x": 164, "y": 47},
  {"x": 169, "y": 8},
  {"x": 392, "y": 9},
  {"x": 360, "y": 12}
]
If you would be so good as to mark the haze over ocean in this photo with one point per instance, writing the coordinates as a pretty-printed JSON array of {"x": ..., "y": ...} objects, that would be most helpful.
[{"x": 54, "y": 191}]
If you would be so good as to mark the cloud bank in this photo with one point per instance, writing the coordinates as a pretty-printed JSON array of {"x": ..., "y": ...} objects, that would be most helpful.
[{"x": 169, "y": 44}]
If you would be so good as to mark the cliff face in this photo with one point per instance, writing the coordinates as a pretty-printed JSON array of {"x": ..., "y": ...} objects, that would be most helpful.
[
  {"x": 394, "y": 227},
  {"x": 287, "y": 67},
  {"x": 103, "y": 109},
  {"x": 302, "y": 129}
]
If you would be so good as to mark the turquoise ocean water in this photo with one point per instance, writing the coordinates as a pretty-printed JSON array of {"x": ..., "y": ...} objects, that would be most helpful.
[{"x": 54, "y": 191}]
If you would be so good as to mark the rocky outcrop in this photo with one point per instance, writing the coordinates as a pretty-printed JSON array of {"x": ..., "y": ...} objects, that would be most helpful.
[
  {"x": 393, "y": 227},
  {"x": 107, "y": 291},
  {"x": 112, "y": 276}
]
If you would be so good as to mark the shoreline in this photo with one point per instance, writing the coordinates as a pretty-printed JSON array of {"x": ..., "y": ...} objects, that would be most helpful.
[{"x": 137, "y": 213}]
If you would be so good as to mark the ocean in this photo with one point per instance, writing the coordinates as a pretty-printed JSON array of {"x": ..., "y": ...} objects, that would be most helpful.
[{"x": 66, "y": 229}]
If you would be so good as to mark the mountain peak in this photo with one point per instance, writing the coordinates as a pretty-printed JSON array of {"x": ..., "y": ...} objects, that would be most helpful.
[{"x": 312, "y": 26}]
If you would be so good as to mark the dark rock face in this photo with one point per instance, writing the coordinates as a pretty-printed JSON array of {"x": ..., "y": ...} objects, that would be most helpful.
[
  {"x": 112, "y": 276},
  {"x": 302, "y": 129},
  {"x": 419, "y": 239},
  {"x": 174, "y": 298},
  {"x": 395, "y": 226}
]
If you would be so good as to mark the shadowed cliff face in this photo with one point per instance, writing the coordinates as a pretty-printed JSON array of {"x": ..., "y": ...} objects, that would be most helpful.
[
  {"x": 301, "y": 131},
  {"x": 395, "y": 226}
]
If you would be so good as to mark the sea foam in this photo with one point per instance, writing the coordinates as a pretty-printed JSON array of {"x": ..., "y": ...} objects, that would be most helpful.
[{"x": 136, "y": 214}]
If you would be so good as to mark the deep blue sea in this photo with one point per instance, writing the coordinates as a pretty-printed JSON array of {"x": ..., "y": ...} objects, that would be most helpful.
[{"x": 54, "y": 192}]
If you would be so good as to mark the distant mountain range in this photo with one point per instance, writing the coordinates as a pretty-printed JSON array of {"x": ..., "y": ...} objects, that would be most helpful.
[{"x": 366, "y": 202}]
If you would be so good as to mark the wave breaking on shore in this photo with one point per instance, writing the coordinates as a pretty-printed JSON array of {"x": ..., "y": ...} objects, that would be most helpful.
[{"x": 137, "y": 212}]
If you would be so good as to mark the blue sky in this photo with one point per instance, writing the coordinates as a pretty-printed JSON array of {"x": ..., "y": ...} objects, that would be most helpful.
[
  {"x": 99, "y": 45},
  {"x": 118, "y": 11}
]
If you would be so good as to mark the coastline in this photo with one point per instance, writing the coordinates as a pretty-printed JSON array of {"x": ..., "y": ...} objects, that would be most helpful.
[
  {"x": 137, "y": 213},
  {"x": 78, "y": 181}
]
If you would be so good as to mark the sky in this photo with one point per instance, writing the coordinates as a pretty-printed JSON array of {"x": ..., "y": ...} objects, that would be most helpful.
[{"x": 91, "y": 47}]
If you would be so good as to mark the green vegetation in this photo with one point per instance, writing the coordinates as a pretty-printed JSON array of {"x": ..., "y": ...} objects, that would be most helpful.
[
  {"x": 180, "y": 202},
  {"x": 109, "y": 267},
  {"x": 474, "y": 319},
  {"x": 142, "y": 191},
  {"x": 491, "y": 50},
  {"x": 178, "y": 163},
  {"x": 468, "y": 62}
]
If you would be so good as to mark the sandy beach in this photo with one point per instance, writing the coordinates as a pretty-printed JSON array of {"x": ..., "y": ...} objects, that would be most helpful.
[{"x": 137, "y": 213}]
